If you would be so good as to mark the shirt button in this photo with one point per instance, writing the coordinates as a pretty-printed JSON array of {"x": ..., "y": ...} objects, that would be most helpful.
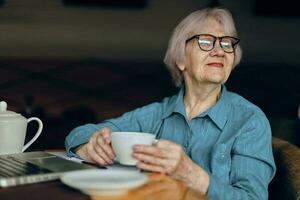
[{"x": 185, "y": 146}]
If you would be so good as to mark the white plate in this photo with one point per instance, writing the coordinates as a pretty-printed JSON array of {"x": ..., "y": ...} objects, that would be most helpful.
[{"x": 104, "y": 182}]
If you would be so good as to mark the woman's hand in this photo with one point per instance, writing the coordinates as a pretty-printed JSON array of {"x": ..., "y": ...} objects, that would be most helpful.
[
  {"x": 98, "y": 149},
  {"x": 169, "y": 158}
]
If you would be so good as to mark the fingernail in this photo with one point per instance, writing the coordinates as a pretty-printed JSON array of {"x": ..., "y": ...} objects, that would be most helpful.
[
  {"x": 107, "y": 140},
  {"x": 138, "y": 165}
]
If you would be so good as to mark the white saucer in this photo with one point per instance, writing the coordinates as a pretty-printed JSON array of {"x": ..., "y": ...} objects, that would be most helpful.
[{"x": 104, "y": 182}]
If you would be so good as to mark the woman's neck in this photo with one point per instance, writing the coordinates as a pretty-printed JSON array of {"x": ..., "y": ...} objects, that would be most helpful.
[{"x": 200, "y": 98}]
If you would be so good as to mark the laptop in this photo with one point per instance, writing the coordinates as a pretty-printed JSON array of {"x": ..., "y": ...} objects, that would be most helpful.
[{"x": 34, "y": 167}]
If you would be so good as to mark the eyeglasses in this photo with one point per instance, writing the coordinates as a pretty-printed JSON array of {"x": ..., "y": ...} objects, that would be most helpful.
[{"x": 207, "y": 42}]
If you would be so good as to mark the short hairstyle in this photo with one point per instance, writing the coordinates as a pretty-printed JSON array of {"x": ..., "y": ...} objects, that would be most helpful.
[{"x": 189, "y": 27}]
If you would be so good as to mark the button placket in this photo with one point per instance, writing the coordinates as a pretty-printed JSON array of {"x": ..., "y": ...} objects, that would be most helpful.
[
  {"x": 222, "y": 152},
  {"x": 186, "y": 145}
]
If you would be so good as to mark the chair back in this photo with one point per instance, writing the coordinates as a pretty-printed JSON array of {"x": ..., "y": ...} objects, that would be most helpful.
[{"x": 286, "y": 183}]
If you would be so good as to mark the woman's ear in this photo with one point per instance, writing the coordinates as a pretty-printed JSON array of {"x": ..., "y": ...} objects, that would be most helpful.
[{"x": 180, "y": 65}]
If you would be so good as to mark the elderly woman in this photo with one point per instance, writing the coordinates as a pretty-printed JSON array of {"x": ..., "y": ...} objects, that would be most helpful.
[{"x": 213, "y": 140}]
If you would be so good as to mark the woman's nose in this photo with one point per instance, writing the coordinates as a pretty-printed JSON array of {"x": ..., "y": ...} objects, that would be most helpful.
[{"x": 217, "y": 50}]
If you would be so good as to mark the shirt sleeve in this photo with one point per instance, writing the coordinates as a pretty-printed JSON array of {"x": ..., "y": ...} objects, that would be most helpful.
[
  {"x": 143, "y": 119},
  {"x": 252, "y": 164}
]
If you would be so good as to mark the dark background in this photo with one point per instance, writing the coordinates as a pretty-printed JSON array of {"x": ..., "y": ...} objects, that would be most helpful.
[{"x": 72, "y": 62}]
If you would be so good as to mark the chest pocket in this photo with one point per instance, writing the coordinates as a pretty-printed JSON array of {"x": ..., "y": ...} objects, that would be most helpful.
[{"x": 221, "y": 162}]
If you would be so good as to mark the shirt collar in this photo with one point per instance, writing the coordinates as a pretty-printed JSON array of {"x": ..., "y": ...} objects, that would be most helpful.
[
  {"x": 218, "y": 113},
  {"x": 176, "y": 104}
]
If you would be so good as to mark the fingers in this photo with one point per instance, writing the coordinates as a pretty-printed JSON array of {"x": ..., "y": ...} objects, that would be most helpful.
[
  {"x": 106, "y": 135},
  {"x": 93, "y": 155},
  {"x": 98, "y": 149},
  {"x": 98, "y": 146},
  {"x": 150, "y": 167},
  {"x": 103, "y": 144},
  {"x": 150, "y": 150},
  {"x": 162, "y": 149},
  {"x": 150, "y": 159},
  {"x": 164, "y": 156}
]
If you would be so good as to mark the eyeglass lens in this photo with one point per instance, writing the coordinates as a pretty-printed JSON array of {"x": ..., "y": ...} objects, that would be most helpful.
[{"x": 207, "y": 43}]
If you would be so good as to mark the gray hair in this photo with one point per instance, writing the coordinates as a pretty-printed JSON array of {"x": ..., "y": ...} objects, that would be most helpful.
[{"x": 189, "y": 27}]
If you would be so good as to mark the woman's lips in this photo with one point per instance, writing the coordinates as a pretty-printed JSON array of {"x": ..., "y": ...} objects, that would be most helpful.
[{"x": 216, "y": 64}]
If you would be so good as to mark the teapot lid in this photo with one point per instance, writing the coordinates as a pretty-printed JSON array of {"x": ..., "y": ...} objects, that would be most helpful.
[{"x": 6, "y": 113}]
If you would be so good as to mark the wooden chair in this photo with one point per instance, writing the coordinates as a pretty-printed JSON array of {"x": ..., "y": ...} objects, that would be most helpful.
[{"x": 286, "y": 183}]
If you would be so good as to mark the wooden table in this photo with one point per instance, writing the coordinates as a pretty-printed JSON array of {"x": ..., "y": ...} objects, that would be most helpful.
[{"x": 158, "y": 187}]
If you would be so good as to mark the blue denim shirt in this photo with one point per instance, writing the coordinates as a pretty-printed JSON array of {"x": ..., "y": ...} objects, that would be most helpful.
[{"x": 231, "y": 141}]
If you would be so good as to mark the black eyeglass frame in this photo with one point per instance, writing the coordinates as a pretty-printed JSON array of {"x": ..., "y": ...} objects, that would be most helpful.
[{"x": 236, "y": 41}]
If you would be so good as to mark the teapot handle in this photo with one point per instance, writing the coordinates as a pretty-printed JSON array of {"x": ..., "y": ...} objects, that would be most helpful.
[{"x": 39, "y": 131}]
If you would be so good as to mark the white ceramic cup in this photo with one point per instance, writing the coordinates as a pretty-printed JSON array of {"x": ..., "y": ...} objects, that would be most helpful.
[{"x": 123, "y": 142}]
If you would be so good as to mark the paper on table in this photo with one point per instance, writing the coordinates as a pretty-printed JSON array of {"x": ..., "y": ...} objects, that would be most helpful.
[
  {"x": 115, "y": 166},
  {"x": 62, "y": 154}
]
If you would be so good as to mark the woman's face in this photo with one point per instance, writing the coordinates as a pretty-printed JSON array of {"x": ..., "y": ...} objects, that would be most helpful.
[{"x": 207, "y": 67}]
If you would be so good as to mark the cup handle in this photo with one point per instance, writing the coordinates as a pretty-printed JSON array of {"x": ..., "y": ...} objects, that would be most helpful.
[{"x": 39, "y": 131}]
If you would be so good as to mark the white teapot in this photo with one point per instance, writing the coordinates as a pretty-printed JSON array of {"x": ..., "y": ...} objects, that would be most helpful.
[{"x": 13, "y": 128}]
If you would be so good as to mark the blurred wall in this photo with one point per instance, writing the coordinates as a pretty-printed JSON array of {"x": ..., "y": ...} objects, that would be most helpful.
[{"x": 47, "y": 28}]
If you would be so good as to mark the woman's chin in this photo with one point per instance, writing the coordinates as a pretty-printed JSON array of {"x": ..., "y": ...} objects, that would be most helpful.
[{"x": 217, "y": 79}]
